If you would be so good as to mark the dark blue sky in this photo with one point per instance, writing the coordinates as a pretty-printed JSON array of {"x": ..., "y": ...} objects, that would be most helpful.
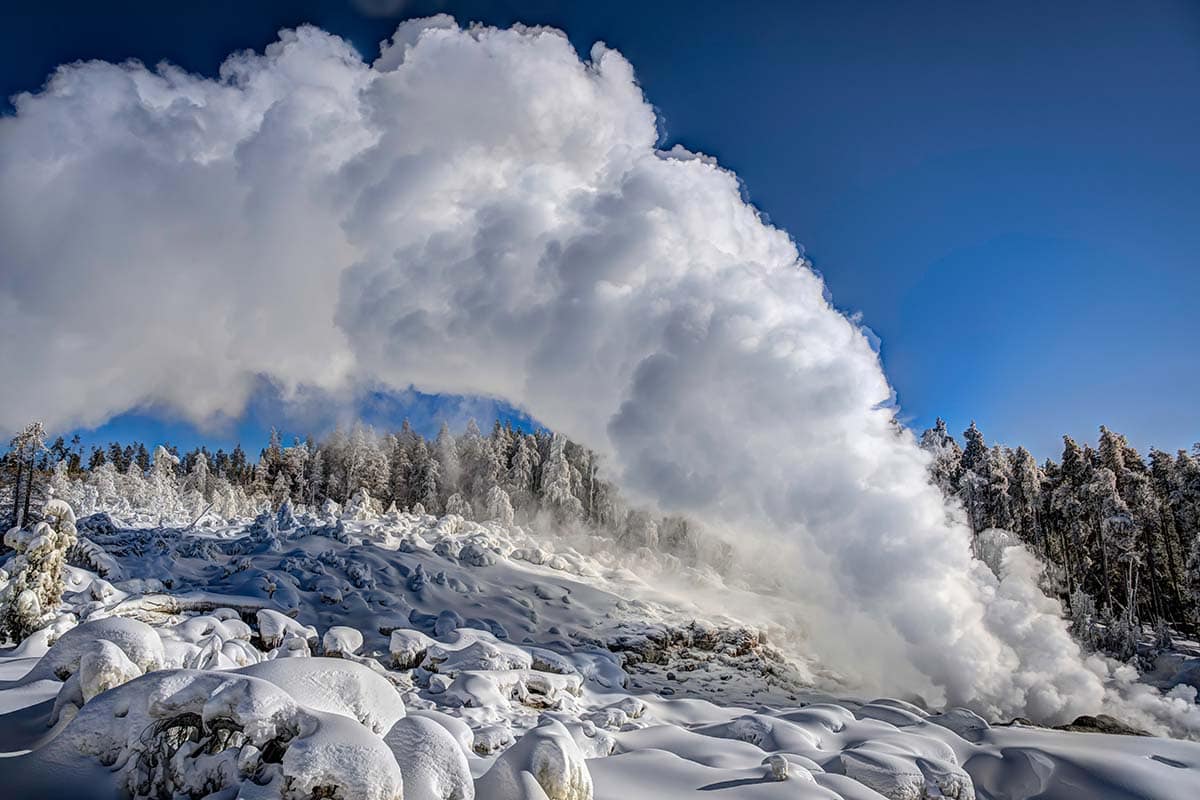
[{"x": 1009, "y": 193}]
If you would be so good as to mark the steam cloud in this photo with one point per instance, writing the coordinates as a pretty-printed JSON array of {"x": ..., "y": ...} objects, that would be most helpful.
[{"x": 481, "y": 212}]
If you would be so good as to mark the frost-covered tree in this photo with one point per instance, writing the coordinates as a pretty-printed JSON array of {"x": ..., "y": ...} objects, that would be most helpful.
[
  {"x": 498, "y": 506},
  {"x": 424, "y": 479},
  {"x": 64, "y": 487},
  {"x": 164, "y": 484},
  {"x": 26, "y": 446},
  {"x": 945, "y": 469},
  {"x": 1070, "y": 512},
  {"x": 34, "y": 582},
  {"x": 522, "y": 471},
  {"x": 1083, "y": 619},
  {"x": 445, "y": 453},
  {"x": 480, "y": 463},
  {"x": 559, "y": 480},
  {"x": 314, "y": 478},
  {"x": 640, "y": 530},
  {"x": 199, "y": 477},
  {"x": 998, "y": 477},
  {"x": 973, "y": 484},
  {"x": 1025, "y": 491}
]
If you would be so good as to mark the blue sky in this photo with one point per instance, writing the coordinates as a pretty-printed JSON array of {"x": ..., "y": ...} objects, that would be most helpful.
[{"x": 1008, "y": 193}]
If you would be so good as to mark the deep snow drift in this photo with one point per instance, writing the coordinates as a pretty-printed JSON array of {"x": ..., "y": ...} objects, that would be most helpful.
[{"x": 409, "y": 656}]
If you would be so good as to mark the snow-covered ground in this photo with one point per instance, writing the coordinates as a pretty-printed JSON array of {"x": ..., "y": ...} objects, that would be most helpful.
[{"x": 360, "y": 656}]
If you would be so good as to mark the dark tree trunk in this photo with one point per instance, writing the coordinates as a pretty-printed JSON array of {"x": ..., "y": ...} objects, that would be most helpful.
[
  {"x": 28, "y": 489},
  {"x": 1104, "y": 576},
  {"x": 16, "y": 506}
]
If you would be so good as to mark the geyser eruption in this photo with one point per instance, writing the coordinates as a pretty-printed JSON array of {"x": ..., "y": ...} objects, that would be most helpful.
[{"x": 482, "y": 212}]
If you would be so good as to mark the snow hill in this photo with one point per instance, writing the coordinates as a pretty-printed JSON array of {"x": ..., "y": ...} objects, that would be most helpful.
[{"x": 347, "y": 654}]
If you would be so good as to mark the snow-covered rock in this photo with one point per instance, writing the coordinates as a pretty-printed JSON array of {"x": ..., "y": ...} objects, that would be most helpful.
[
  {"x": 431, "y": 760},
  {"x": 274, "y": 628},
  {"x": 336, "y": 686},
  {"x": 408, "y": 648},
  {"x": 104, "y": 666},
  {"x": 547, "y": 758},
  {"x": 341, "y": 640}
]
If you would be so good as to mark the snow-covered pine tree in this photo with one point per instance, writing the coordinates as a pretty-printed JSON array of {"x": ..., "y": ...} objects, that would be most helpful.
[
  {"x": 973, "y": 484},
  {"x": 1113, "y": 528},
  {"x": 399, "y": 468},
  {"x": 1069, "y": 508},
  {"x": 445, "y": 453},
  {"x": 456, "y": 504},
  {"x": 498, "y": 506},
  {"x": 25, "y": 448},
  {"x": 34, "y": 585},
  {"x": 945, "y": 469},
  {"x": 521, "y": 474},
  {"x": 559, "y": 481},
  {"x": 1025, "y": 491},
  {"x": 164, "y": 484},
  {"x": 199, "y": 476},
  {"x": 997, "y": 507},
  {"x": 424, "y": 479}
]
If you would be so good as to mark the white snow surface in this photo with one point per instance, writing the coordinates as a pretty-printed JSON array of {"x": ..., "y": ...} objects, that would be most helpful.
[{"x": 555, "y": 676}]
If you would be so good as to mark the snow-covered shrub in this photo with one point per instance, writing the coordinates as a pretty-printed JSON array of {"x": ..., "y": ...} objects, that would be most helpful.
[
  {"x": 777, "y": 765},
  {"x": 184, "y": 733},
  {"x": 362, "y": 506},
  {"x": 456, "y": 504},
  {"x": 33, "y": 592}
]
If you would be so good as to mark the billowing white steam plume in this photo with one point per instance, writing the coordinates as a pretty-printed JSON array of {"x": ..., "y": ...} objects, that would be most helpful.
[{"x": 481, "y": 212}]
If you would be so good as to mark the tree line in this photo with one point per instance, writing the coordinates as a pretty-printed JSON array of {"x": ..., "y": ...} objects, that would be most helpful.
[
  {"x": 1119, "y": 533},
  {"x": 509, "y": 474}
]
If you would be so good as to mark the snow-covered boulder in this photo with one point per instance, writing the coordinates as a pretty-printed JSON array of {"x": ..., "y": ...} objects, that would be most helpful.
[
  {"x": 274, "y": 628},
  {"x": 460, "y": 731},
  {"x": 480, "y": 654},
  {"x": 408, "y": 648},
  {"x": 336, "y": 686},
  {"x": 103, "y": 667},
  {"x": 342, "y": 761},
  {"x": 777, "y": 767},
  {"x": 138, "y": 641},
  {"x": 546, "y": 758},
  {"x": 433, "y": 764},
  {"x": 341, "y": 640}
]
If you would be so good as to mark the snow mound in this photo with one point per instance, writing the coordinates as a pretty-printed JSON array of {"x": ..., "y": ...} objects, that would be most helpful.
[
  {"x": 546, "y": 758},
  {"x": 431, "y": 760},
  {"x": 335, "y": 686},
  {"x": 138, "y": 641}
]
